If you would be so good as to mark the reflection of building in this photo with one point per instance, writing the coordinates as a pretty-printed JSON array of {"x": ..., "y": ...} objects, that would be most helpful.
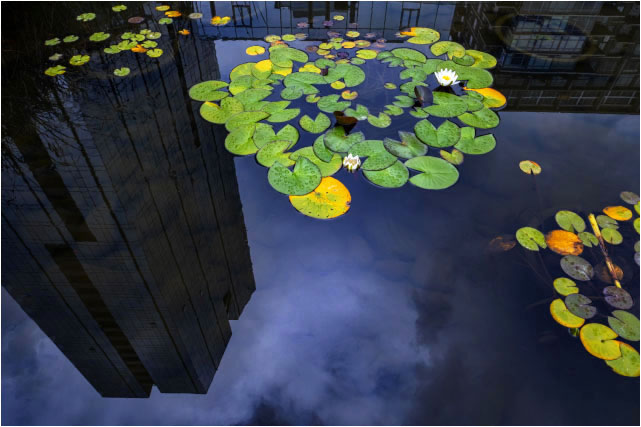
[
  {"x": 558, "y": 56},
  {"x": 122, "y": 230}
]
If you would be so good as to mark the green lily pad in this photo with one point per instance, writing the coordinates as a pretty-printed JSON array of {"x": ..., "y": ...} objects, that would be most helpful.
[
  {"x": 98, "y": 37},
  {"x": 326, "y": 168},
  {"x": 579, "y": 305},
  {"x": 380, "y": 121},
  {"x": 393, "y": 110},
  {"x": 283, "y": 115},
  {"x": 251, "y": 96},
  {"x": 447, "y": 134},
  {"x": 618, "y": 297},
  {"x": 424, "y": 36},
  {"x": 149, "y": 44},
  {"x": 410, "y": 146},
  {"x": 360, "y": 113},
  {"x": 636, "y": 224},
  {"x": 357, "y": 61},
  {"x": 154, "y": 35},
  {"x": 629, "y": 197},
  {"x": 55, "y": 71},
  {"x": 612, "y": 236},
  {"x": 415, "y": 73},
  {"x": 312, "y": 98},
  {"x": 274, "y": 152},
  {"x": 112, "y": 49},
  {"x": 55, "y": 57},
  {"x": 599, "y": 341},
  {"x": 563, "y": 316},
  {"x": 324, "y": 63},
  {"x": 419, "y": 113},
  {"x": 394, "y": 176},
  {"x": 317, "y": 125},
  {"x": 437, "y": 174},
  {"x": 352, "y": 75},
  {"x": 126, "y": 45},
  {"x": 469, "y": 144},
  {"x": 531, "y": 238},
  {"x": 409, "y": 87},
  {"x": 303, "y": 180},
  {"x": 607, "y": 222},
  {"x": 366, "y": 53},
  {"x": 284, "y": 56},
  {"x": 244, "y": 119},
  {"x": 70, "y": 39},
  {"x": 291, "y": 93},
  {"x": 577, "y": 268},
  {"x": 208, "y": 91},
  {"x": 403, "y": 101},
  {"x": 451, "y": 48},
  {"x": 473, "y": 104},
  {"x": 240, "y": 141},
  {"x": 122, "y": 72},
  {"x": 569, "y": 221},
  {"x": 411, "y": 54},
  {"x": 79, "y": 59},
  {"x": 165, "y": 21},
  {"x": 465, "y": 60},
  {"x": 321, "y": 151},
  {"x": 154, "y": 53},
  {"x": 447, "y": 105},
  {"x": 588, "y": 239},
  {"x": 220, "y": 114},
  {"x": 625, "y": 324},
  {"x": 331, "y": 103},
  {"x": 389, "y": 86},
  {"x": 52, "y": 42},
  {"x": 273, "y": 107},
  {"x": 86, "y": 17},
  {"x": 119, "y": 8},
  {"x": 338, "y": 142},
  {"x": 265, "y": 134},
  {"x": 628, "y": 364},
  {"x": 565, "y": 286},
  {"x": 378, "y": 157},
  {"x": 482, "y": 119},
  {"x": 481, "y": 59},
  {"x": 455, "y": 157}
]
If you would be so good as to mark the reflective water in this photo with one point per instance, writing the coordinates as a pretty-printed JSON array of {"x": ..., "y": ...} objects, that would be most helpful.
[{"x": 392, "y": 314}]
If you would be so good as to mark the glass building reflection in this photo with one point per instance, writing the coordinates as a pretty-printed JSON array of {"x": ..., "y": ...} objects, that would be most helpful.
[{"x": 122, "y": 229}]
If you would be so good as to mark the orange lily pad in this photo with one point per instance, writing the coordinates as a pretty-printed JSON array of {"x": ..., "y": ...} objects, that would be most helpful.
[{"x": 564, "y": 242}]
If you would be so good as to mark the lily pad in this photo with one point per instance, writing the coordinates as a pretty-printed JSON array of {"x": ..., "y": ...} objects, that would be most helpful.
[
  {"x": 122, "y": 72},
  {"x": 339, "y": 142},
  {"x": 606, "y": 222},
  {"x": 481, "y": 59},
  {"x": 154, "y": 53},
  {"x": 579, "y": 305},
  {"x": 628, "y": 364},
  {"x": 411, "y": 54},
  {"x": 564, "y": 242},
  {"x": 55, "y": 71},
  {"x": 588, "y": 239},
  {"x": 284, "y": 56},
  {"x": 482, "y": 119},
  {"x": 85, "y": 17},
  {"x": 329, "y": 200},
  {"x": 79, "y": 60},
  {"x": 447, "y": 134},
  {"x": 360, "y": 113},
  {"x": 220, "y": 114},
  {"x": 70, "y": 39},
  {"x": 563, "y": 316},
  {"x": 303, "y": 180},
  {"x": 331, "y": 103},
  {"x": 446, "y": 105},
  {"x": 265, "y": 134},
  {"x": 455, "y": 157},
  {"x": 629, "y": 197},
  {"x": 55, "y": 57},
  {"x": 380, "y": 121},
  {"x": 565, "y": 286},
  {"x": 208, "y": 91},
  {"x": 599, "y": 341},
  {"x": 394, "y": 176},
  {"x": 529, "y": 167},
  {"x": 618, "y": 213},
  {"x": 165, "y": 21},
  {"x": 577, "y": 268},
  {"x": 421, "y": 35},
  {"x": 366, "y": 53},
  {"x": 52, "y": 42},
  {"x": 531, "y": 238},
  {"x": 283, "y": 115},
  {"x": 244, "y": 119},
  {"x": 437, "y": 174},
  {"x": 570, "y": 221},
  {"x": 326, "y": 168},
  {"x": 612, "y": 236},
  {"x": 317, "y": 125},
  {"x": 240, "y": 141},
  {"x": 625, "y": 324},
  {"x": 275, "y": 152},
  {"x": 98, "y": 37},
  {"x": 491, "y": 98},
  {"x": 195, "y": 15},
  {"x": 451, "y": 48},
  {"x": 119, "y": 8},
  {"x": 618, "y": 297},
  {"x": 409, "y": 146},
  {"x": 469, "y": 144}
]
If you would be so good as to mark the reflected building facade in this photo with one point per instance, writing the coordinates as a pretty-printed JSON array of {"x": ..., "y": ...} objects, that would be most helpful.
[{"x": 122, "y": 228}]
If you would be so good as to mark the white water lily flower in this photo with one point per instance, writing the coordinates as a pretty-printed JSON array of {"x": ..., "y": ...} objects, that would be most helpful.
[
  {"x": 446, "y": 77},
  {"x": 351, "y": 162}
]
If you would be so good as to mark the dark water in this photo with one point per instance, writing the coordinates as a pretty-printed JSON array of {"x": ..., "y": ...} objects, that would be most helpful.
[{"x": 394, "y": 313}]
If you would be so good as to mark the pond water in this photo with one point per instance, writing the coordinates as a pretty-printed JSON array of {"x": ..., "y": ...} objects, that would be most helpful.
[{"x": 119, "y": 200}]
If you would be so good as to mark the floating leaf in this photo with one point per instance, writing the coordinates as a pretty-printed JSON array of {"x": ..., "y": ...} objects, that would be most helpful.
[
  {"x": 628, "y": 364},
  {"x": 240, "y": 141},
  {"x": 139, "y": 19},
  {"x": 149, "y": 44},
  {"x": 337, "y": 85},
  {"x": 492, "y": 98},
  {"x": 274, "y": 152},
  {"x": 394, "y": 176},
  {"x": 625, "y": 324},
  {"x": 195, "y": 15},
  {"x": 612, "y": 236},
  {"x": 579, "y": 306},
  {"x": 481, "y": 59},
  {"x": 529, "y": 167},
  {"x": 437, "y": 174},
  {"x": 255, "y": 50},
  {"x": 55, "y": 71},
  {"x": 303, "y": 180},
  {"x": 162, "y": 8},
  {"x": 208, "y": 91},
  {"x": 618, "y": 213},
  {"x": 79, "y": 59},
  {"x": 55, "y": 57},
  {"x": 291, "y": 93},
  {"x": 183, "y": 32},
  {"x": 329, "y": 200},
  {"x": 318, "y": 125},
  {"x": 265, "y": 134},
  {"x": 244, "y": 119},
  {"x": 482, "y": 119},
  {"x": 469, "y": 144},
  {"x": 215, "y": 114},
  {"x": 577, "y": 268},
  {"x": 119, "y": 8},
  {"x": 530, "y": 238},
  {"x": 283, "y": 115},
  {"x": 380, "y": 121},
  {"x": 122, "y": 72},
  {"x": 618, "y": 297},
  {"x": 564, "y": 242},
  {"x": 154, "y": 53},
  {"x": 629, "y": 197},
  {"x": 284, "y": 56},
  {"x": 70, "y": 39},
  {"x": 139, "y": 49},
  {"x": 570, "y": 221},
  {"x": 86, "y": 17},
  {"x": 422, "y": 35},
  {"x": 501, "y": 243},
  {"x": 409, "y": 54},
  {"x": 337, "y": 141},
  {"x": 326, "y": 168},
  {"x": 220, "y": 20},
  {"x": 112, "y": 49},
  {"x": 349, "y": 94},
  {"x": 360, "y": 113},
  {"x": 455, "y": 157},
  {"x": 389, "y": 86},
  {"x": 352, "y": 34},
  {"x": 599, "y": 341},
  {"x": 52, "y": 42},
  {"x": 173, "y": 13},
  {"x": 447, "y": 134},
  {"x": 165, "y": 21},
  {"x": 409, "y": 146},
  {"x": 588, "y": 239},
  {"x": 565, "y": 287},
  {"x": 451, "y": 48},
  {"x": 331, "y": 103},
  {"x": 636, "y": 224},
  {"x": 366, "y": 53},
  {"x": 446, "y": 105},
  {"x": 606, "y": 222},
  {"x": 98, "y": 37},
  {"x": 562, "y": 315}
]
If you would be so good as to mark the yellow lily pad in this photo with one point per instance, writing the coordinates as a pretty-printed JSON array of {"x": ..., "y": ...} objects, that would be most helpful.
[
  {"x": 329, "y": 200},
  {"x": 562, "y": 315},
  {"x": 619, "y": 213},
  {"x": 599, "y": 341},
  {"x": 255, "y": 50},
  {"x": 565, "y": 286},
  {"x": 529, "y": 167}
]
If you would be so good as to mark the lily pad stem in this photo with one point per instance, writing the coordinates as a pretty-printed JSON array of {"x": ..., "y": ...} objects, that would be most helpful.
[{"x": 604, "y": 250}]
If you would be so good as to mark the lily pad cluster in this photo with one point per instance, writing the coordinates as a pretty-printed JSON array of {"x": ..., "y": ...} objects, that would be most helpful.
[
  {"x": 580, "y": 299},
  {"x": 240, "y": 104}
]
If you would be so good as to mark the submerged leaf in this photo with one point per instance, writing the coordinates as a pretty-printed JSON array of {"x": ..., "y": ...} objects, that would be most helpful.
[{"x": 618, "y": 297}]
